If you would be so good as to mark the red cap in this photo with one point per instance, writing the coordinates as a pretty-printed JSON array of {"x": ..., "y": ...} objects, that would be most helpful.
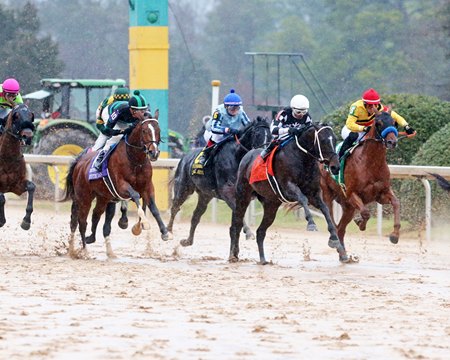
[{"x": 371, "y": 97}]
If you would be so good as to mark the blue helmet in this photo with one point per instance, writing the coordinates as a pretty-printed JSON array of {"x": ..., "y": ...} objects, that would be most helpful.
[{"x": 232, "y": 99}]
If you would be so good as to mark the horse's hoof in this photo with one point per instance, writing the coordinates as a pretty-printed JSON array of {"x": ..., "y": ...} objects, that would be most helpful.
[
  {"x": 167, "y": 236},
  {"x": 344, "y": 258},
  {"x": 2, "y": 223},
  {"x": 25, "y": 225},
  {"x": 334, "y": 244},
  {"x": 311, "y": 227},
  {"x": 136, "y": 229},
  {"x": 349, "y": 259},
  {"x": 123, "y": 224},
  {"x": 90, "y": 240},
  {"x": 250, "y": 236},
  {"x": 185, "y": 242},
  {"x": 233, "y": 259},
  {"x": 393, "y": 239},
  {"x": 263, "y": 262}
]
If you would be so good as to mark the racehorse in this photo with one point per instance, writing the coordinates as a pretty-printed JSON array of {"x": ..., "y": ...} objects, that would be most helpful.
[
  {"x": 219, "y": 174},
  {"x": 296, "y": 180},
  {"x": 130, "y": 171},
  {"x": 366, "y": 178},
  {"x": 18, "y": 131}
]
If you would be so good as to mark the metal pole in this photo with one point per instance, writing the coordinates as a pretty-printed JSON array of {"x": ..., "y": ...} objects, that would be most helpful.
[{"x": 214, "y": 103}]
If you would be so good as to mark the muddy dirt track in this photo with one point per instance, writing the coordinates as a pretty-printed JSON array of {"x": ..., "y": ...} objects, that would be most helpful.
[{"x": 161, "y": 301}]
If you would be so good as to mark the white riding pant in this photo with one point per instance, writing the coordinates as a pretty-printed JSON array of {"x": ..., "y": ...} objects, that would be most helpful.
[{"x": 346, "y": 131}]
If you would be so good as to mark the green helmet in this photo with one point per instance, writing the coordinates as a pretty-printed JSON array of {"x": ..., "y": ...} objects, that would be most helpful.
[{"x": 137, "y": 101}]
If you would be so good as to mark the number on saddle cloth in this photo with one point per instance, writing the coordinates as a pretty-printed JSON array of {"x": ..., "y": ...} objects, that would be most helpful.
[{"x": 94, "y": 174}]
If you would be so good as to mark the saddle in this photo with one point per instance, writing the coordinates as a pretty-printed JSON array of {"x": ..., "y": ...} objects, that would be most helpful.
[
  {"x": 197, "y": 167},
  {"x": 93, "y": 173},
  {"x": 339, "y": 178}
]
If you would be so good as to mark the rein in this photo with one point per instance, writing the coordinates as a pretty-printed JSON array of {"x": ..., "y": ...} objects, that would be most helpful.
[
  {"x": 237, "y": 140},
  {"x": 321, "y": 158},
  {"x": 141, "y": 147}
]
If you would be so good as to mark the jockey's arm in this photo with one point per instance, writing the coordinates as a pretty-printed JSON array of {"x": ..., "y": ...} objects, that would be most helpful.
[
  {"x": 352, "y": 125},
  {"x": 276, "y": 128},
  {"x": 400, "y": 120},
  {"x": 216, "y": 126}
]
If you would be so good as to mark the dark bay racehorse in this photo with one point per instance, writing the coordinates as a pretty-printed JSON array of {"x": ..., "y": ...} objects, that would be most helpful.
[
  {"x": 130, "y": 171},
  {"x": 367, "y": 178},
  {"x": 297, "y": 180},
  {"x": 18, "y": 131},
  {"x": 220, "y": 174}
]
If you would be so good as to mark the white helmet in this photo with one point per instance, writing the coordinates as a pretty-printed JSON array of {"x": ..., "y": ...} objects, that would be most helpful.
[{"x": 300, "y": 102}]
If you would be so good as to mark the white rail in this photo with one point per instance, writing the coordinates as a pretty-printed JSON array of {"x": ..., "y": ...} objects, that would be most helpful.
[{"x": 397, "y": 172}]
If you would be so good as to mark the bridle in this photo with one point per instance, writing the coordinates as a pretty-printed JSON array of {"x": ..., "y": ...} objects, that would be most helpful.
[
  {"x": 317, "y": 143},
  {"x": 252, "y": 127},
  {"x": 145, "y": 146},
  {"x": 15, "y": 129}
]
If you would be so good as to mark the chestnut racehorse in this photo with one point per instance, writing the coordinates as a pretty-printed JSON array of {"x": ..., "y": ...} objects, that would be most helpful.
[
  {"x": 130, "y": 171},
  {"x": 366, "y": 177}
]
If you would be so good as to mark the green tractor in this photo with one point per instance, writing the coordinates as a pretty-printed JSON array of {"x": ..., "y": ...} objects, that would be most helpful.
[{"x": 65, "y": 112}]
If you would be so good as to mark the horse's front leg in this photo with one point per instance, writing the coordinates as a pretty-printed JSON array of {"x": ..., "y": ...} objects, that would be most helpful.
[
  {"x": 334, "y": 241},
  {"x": 26, "y": 222},
  {"x": 390, "y": 198},
  {"x": 303, "y": 200},
  {"x": 2, "y": 209},
  {"x": 358, "y": 204},
  {"x": 165, "y": 234},
  {"x": 142, "y": 218}
]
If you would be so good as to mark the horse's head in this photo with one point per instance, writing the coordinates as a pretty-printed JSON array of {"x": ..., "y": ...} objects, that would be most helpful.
[
  {"x": 151, "y": 136},
  {"x": 255, "y": 134},
  {"x": 20, "y": 125},
  {"x": 319, "y": 141},
  {"x": 385, "y": 129}
]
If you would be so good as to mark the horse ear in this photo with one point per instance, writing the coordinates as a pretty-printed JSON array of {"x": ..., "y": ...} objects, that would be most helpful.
[
  {"x": 156, "y": 114},
  {"x": 387, "y": 108}
]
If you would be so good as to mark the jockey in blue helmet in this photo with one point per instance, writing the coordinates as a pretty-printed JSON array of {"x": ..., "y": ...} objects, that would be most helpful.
[{"x": 227, "y": 120}]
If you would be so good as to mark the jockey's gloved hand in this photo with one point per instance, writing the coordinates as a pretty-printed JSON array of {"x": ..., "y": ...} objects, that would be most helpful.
[
  {"x": 366, "y": 128},
  {"x": 232, "y": 131},
  {"x": 294, "y": 131},
  {"x": 115, "y": 132},
  {"x": 409, "y": 130}
]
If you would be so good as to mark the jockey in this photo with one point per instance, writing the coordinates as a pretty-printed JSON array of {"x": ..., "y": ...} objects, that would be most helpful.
[
  {"x": 9, "y": 97},
  {"x": 360, "y": 117},
  {"x": 122, "y": 115},
  {"x": 289, "y": 121},
  {"x": 105, "y": 109},
  {"x": 227, "y": 120}
]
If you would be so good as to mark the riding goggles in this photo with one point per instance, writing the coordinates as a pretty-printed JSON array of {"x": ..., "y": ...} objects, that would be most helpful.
[
  {"x": 233, "y": 107},
  {"x": 10, "y": 95},
  {"x": 299, "y": 111}
]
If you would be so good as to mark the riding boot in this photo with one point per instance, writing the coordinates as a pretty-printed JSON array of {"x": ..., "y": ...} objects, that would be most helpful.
[
  {"x": 268, "y": 149},
  {"x": 99, "y": 160},
  {"x": 348, "y": 143},
  {"x": 206, "y": 152}
]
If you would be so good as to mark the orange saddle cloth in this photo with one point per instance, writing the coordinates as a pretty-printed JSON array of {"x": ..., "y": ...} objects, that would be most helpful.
[{"x": 261, "y": 168}]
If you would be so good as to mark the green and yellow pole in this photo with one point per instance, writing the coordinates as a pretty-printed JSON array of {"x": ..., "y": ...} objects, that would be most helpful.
[{"x": 149, "y": 72}]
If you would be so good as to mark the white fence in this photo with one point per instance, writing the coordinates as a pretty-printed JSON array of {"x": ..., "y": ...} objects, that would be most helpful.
[{"x": 397, "y": 172}]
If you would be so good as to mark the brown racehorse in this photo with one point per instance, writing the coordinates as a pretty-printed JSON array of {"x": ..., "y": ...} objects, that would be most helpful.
[
  {"x": 130, "y": 171},
  {"x": 18, "y": 131},
  {"x": 367, "y": 178}
]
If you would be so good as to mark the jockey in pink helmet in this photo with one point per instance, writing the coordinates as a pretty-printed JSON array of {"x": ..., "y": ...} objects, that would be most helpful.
[{"x": 9, "y": 93}]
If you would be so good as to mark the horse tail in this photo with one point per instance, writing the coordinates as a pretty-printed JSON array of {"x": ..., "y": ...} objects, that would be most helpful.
[
  {"x": 442, "y": 182},
  {"x": 69, "y": 190}
]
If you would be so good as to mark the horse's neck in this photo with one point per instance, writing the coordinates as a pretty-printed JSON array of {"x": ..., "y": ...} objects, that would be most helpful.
[
  {"x": 9, "y": 145},
  {"x": 374, "y": 150}
]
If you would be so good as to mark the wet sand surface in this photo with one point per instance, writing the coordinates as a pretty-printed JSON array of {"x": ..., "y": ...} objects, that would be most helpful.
[{"x": 158, "y": 300}]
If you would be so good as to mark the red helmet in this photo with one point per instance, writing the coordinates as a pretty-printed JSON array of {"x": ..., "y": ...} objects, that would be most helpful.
[
  {"x": 370, "y": 96},
  {"x": 11, "y": 86}
]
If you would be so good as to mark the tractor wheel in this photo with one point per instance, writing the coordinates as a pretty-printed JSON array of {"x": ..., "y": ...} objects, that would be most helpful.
[{"x": 66, "y": 141}]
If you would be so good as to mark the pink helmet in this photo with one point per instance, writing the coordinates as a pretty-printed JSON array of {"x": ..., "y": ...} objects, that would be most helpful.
[{"x": 11, "y": 85}]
